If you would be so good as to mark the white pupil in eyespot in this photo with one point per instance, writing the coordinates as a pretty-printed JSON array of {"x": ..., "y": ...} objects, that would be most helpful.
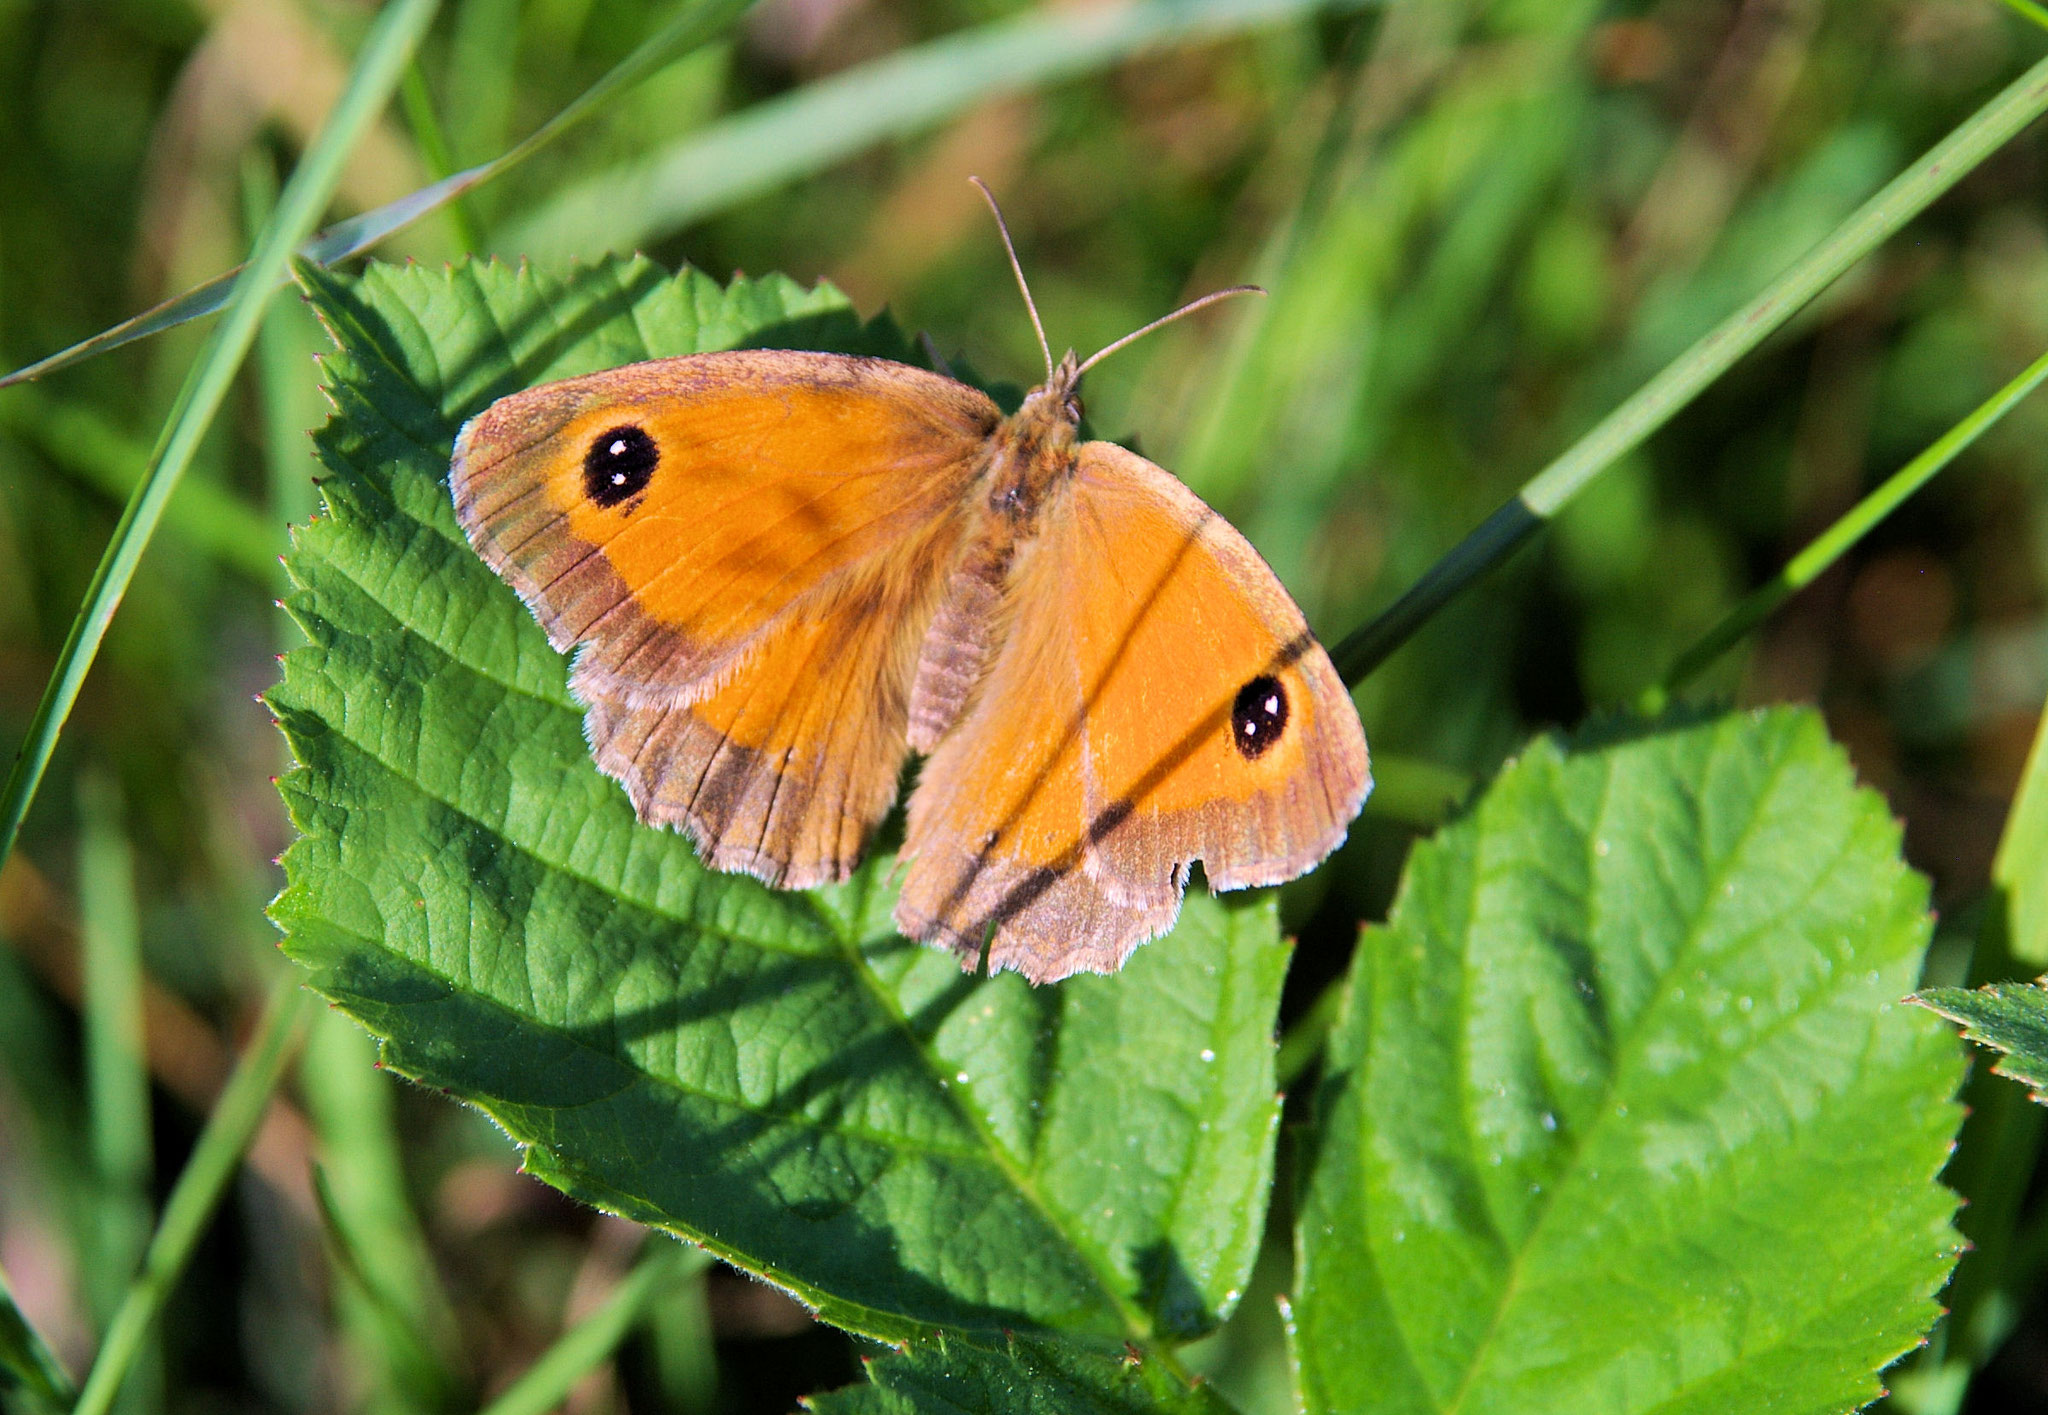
[
  {"x": 618, "y": 478},
  {"x": 618, "y": 447},
  {"x": 1252, "y": 726}
]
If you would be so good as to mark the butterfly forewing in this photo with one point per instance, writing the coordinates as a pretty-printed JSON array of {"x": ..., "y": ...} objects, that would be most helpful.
[{"x": 747, "y": 546}]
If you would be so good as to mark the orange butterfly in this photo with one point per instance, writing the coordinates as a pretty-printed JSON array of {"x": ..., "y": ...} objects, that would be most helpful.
[{"x": 789, "y": 570}]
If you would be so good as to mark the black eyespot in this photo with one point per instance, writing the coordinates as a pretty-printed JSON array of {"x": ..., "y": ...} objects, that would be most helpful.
[
  {"x": 618, "y": 464},
  {"x": 1258, "y": 717}
]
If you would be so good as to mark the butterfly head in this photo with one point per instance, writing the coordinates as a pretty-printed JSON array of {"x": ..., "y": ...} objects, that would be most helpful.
[
  {"x": 1060, "y": 395},
  {"x": 1033, "y": 450}
]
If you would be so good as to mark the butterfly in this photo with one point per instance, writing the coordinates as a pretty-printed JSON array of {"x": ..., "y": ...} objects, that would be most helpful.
[{"x": 785, "y": 572}]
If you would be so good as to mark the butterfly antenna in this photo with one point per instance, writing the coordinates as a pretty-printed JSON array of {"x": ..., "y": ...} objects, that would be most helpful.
[
  {"x": 1189, "y": 308},
  {"x": 1004, "y": 227},
  {"x": 931, "y": 352}
]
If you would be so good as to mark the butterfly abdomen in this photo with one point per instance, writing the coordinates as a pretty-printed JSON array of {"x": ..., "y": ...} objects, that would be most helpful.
[
  {"x": 961, "y": 642},
  {"x": 1028, "y": 460}
]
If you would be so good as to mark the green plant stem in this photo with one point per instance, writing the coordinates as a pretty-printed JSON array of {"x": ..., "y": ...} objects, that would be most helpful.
[
  {"x": 385, "y": 51},
  {"x": 198, "y": 1189},
  {"x": 679, "y": 1338},
  {"x": 544, "y": 1384},
  {"x": 2000, "y": 1143},
  {"x": 2001, "y": 1140},
  {"x": 1995, "y": 1157},
  {"x": 1833, "y": 543},
  {"x": 280, "y": 361},
  {"x": 2019, "y": 870},
  {"x": 693, "y": 27},
  {"x": 1654, "y": 404},
  {"x": 1492, "y": 541},
  {"x": 397, "y": 1317}
]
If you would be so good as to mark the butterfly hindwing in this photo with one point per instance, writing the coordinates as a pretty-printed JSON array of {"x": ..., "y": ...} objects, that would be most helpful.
[{"x": 1158, "y": 699}]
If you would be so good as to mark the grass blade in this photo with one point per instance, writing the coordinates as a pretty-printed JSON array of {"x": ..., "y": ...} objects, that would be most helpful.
[
  {"x": 432, "y": 141},
  {"x": 199, "y": 1187},
  {"x": 1657, "y": 401},
  {"x": 1830, "y": 545},
  {"x": 2018, "y": 871},
  {"x": 385, "y": 53},
  {"x": 117, "y": 1079},
  {"x": 809, "y": 129},
  {"x": 288, "y": 342},
  {"x": 545, "y": 1383},
  {"x": 695, "y": 26},
  {"x": 198, "y": 301},
  {"x": 679, "y": 1339},
  {"x": 2029, "y": 9},
  {"x": 399, "y": 1321},
  {"x": 26, "y": 1362}
]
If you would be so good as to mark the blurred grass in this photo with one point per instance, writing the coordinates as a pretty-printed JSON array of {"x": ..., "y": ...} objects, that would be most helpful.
[
  {"x": 190, "y": 1204},
  {"x": 693, "y": 25},
  {"x": 117, "y": 1084},
  {"x": 1820, "y": 554},
  {"x": 1484, "y": 223},
  {"x": 808, "y": 128},
  {"x": 386, "y": 50},
  {"x": 80, "y": 440},
  {"x": 548, "y": 1381}
]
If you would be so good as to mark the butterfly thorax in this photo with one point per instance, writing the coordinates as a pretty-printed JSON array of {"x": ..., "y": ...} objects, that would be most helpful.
[
  {"x": 1028, "y": 458},
  {"x": 1031, "y": 452}
]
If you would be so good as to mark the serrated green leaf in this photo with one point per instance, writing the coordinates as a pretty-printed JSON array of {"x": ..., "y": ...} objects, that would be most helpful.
[
  {"x": 1022, "y": 1377},
  {"x": 775, "y": 1075},
  {"x": 2008, "y": 1017},
  {"x": 1624, "y": 1113}
]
